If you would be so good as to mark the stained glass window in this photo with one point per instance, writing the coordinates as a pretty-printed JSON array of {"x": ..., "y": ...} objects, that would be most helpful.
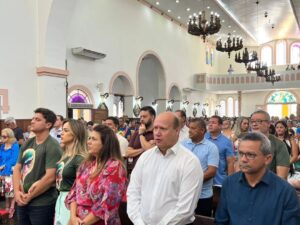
[
  {"x": 280, "y": 97},
  {"x": 78, "y": 96}
]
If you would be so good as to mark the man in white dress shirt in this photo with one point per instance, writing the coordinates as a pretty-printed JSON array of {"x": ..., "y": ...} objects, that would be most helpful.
[
  {"x": 166, "y": 182},
  {"x": 184, "y": 130},
  {"x": 113, "y": 123}
]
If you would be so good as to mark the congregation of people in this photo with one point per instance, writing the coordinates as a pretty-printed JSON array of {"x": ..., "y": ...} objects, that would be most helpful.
[{"x": 165, "y": 168}]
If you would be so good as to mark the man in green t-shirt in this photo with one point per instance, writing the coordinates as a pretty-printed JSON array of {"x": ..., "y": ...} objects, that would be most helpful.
[
  {"x": 34, "y": 174},
  {"x": 260, "y": 122}
]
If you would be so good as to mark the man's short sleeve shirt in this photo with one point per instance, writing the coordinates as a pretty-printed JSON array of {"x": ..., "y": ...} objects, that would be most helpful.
[{"x": 35, "y": 160}]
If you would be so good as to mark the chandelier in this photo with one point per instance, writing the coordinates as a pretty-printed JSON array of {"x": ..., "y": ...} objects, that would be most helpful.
[
  {"x": 198, "y": 25},
  {"x": 258, "y": 67},
  {"x": 269, "y": 75},
  {"x": 230, "y": 45},
  {"x": 273, "y": 78},
  {"x": 246, "y": 58}
]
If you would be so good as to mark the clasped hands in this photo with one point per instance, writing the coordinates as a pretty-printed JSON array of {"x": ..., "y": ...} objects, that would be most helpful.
[{"x": 23, "y": 198}]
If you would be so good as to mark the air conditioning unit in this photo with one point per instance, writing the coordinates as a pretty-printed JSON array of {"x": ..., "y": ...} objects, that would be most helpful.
[{"x": 80, "y": 51}]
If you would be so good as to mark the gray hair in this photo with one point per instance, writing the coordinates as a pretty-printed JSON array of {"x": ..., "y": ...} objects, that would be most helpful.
[
  {"x": 265, "y": 146},
  {"x": 266, "y": 114},
  {"x": 10, "y": 120}
]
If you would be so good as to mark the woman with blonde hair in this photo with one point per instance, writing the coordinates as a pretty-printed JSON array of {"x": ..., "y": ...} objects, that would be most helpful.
[
  {"x": 101, "y": 181},
  {"x": 73, "y": 143},
  {"x": 9, "y": 152}
]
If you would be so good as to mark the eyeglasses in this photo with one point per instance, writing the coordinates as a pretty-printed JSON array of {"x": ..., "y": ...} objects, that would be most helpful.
[
  {"x": 4, "y": 136},
  {"x": 248, "y": 155},
  {"x": 258, "y": 121}
]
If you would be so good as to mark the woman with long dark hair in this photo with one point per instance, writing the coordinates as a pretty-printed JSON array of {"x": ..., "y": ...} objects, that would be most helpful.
[
  {"x": 101, "y": 181},
  {"x": 282, "y": 133}
]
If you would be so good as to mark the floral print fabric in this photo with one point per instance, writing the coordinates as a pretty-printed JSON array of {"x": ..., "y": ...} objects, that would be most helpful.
[{"x": 100, "y": 195}]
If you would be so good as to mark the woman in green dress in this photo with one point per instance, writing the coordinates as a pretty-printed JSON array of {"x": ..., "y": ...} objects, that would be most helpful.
[{"x": 74, "y": 144}]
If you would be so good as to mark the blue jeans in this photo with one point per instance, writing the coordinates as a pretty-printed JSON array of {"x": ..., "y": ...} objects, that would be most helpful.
[{"x": 36, "y": 215}]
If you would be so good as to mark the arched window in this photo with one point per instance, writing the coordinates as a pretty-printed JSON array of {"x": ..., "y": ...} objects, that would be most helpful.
[
  {"x": 222, "y": 108},
  {"x": 281, "y": 104},
  {"x": 281, "y": 53},
  {"x": 230, "y": 107},
  {"x": 295, "y": 53},
  {"x": 281, "y": 97},
  {"x": 266, "y": 55},
  {"x": 78, "y": 96},
  {"x": 236, "y": 108}
]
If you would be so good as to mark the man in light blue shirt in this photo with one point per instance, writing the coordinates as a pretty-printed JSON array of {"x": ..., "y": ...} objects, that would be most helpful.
[
  {"x": 226, "y": 154},
  {"x": 208, "y": 155},
  {"x": 225, "y": 147}
]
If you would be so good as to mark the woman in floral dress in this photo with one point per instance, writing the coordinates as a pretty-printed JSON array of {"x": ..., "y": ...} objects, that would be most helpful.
[{"x": 101, "y": 182}]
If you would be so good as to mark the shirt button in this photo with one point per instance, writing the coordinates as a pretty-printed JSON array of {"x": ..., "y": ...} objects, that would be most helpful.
[{"x": 250, "y": 219}]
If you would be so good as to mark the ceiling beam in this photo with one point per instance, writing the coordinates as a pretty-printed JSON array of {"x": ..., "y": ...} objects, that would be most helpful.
[{"x": 296, "y": 6}]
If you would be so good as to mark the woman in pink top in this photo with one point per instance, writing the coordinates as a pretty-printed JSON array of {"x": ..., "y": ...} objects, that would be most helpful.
[{"x": 101, "y": 182}]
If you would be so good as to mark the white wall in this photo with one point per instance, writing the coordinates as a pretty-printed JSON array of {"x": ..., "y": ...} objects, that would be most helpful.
[
  {"x": 18, "y": 56},
  {"x": 41, "y": 33},
  {"x": 124, "y": 30}
]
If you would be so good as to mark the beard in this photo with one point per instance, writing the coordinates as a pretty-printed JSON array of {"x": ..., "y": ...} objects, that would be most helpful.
[{"x": 148, "y": 123}]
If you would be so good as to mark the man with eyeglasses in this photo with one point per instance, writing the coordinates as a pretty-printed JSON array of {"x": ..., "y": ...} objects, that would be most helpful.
[
  {"x": 255, "y": 195},
  {"x": 260, "y": 122}
]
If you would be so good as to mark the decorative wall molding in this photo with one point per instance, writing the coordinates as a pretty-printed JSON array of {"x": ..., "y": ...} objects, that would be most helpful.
[
  {"x": 4, "y": 94},
  {"x": 249, "y": 81},
  {"x": 52, "y": 72}
]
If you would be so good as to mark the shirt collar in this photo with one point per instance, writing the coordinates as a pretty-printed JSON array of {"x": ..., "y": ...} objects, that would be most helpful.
[
  {"x": 209, "y": 135},
  {"x": 173, "y": 150},
  {"x": 266, "y": 179},
  {"x": 203, "y": 141}
]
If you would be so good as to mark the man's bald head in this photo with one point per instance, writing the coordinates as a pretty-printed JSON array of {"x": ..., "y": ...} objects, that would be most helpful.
[{"x": 166, "y": 131}]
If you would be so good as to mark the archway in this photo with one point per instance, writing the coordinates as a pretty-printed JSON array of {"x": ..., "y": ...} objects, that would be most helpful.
[
  {"x": 175, "y": 94},
  {"x": 282, "y": 104},
  {"x": 79, "y": 104},
  {"x": 121, "y": 88},
  {"x": 151, "y": 81}
]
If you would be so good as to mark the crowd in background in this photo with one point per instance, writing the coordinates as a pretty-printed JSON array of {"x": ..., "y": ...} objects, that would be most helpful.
[{"x": 77, "y": 172}]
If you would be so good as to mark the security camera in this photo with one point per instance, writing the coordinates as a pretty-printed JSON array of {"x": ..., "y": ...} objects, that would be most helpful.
[
  {"x": 266, "y": 14},
  {"x": 273, "y": 26}
]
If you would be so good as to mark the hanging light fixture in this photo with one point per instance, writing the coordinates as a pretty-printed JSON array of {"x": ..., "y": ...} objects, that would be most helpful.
[
  {"x": 198, "y": 25},
  {"x": 246, "y": 57},
  {"x": 273, "y": 78},
  {"x": 234, "y": 44},
  {"x": 257, "y": 67}
]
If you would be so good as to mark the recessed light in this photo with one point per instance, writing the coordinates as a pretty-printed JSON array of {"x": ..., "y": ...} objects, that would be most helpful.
[
  {"x": 229, "y": 26},
  {"x": 188, "y": 9},
  {"x": 234, "y": 31},
  {"x": 208, "y": 7},
  {"x": 157, "y": 3},
  {"x": 178, "y": 17},
  {"x": 223, "y": 21},
  {"x": 169, "y": 10},
  {"x": 177, "y": 1}
]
